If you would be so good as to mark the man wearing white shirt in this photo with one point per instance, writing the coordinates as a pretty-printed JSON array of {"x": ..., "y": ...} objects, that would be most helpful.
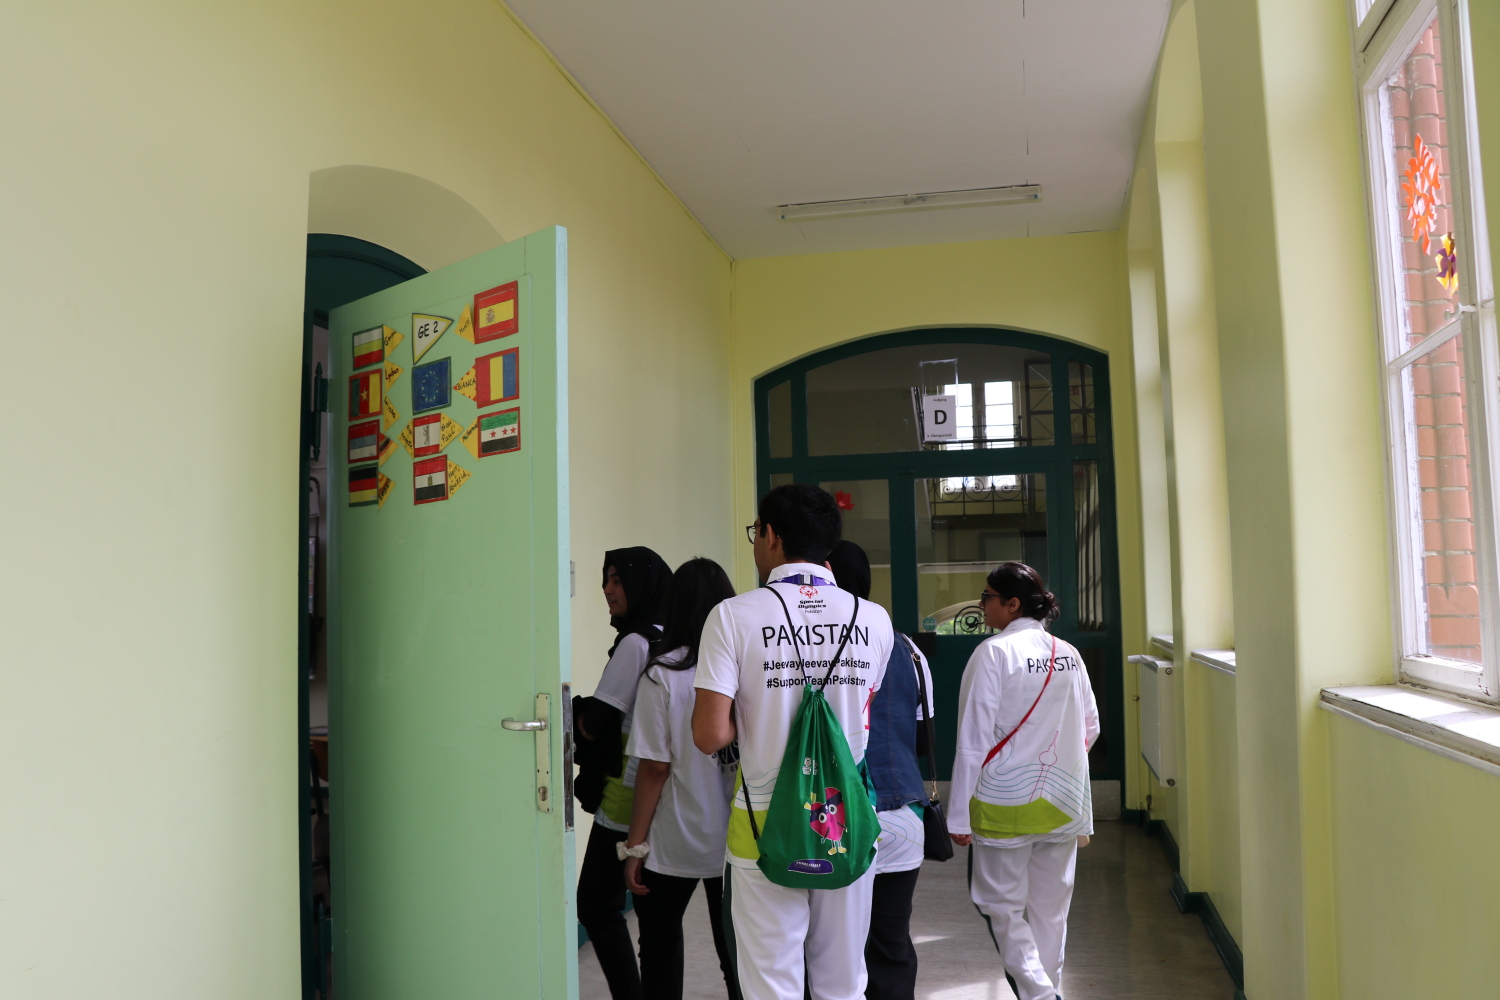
[{"x": 749, "y": 686}]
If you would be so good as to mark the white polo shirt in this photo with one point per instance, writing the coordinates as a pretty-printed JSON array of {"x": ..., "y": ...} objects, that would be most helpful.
[{"x": 748, "y": 653}]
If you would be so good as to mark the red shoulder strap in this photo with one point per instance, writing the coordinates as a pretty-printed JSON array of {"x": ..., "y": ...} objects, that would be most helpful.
[{"x": 1051, "y": 668}]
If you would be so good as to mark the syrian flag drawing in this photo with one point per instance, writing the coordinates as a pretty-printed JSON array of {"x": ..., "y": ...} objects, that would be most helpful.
[
  {"x": 426, "y": 435},
  {"x": 499, "y": 432},
  {"x": 369, "y": 346},
  {"x": 430, "y": 480},
  {"x": 363, "y": 484},
  {"x": 364, "y": 441}
]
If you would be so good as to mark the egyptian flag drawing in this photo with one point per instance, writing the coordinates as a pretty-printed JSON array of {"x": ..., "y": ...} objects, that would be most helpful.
[
  {"x": 364, "y": 394},
  {"x": 369, "y": 346},
  {"x": 430, "y": 480},
  {"x": 495, "y": 313},
  {"x": 427, "y": 435},
  {"x": 499, "y": 432},
  {"x": 364, "y": 441},
  {"x": 364, "y": 482}
]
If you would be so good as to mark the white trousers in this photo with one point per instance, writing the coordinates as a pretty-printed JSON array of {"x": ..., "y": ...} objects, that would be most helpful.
[
  {"x": 1024, "y": 894},
  {"x": 779, "y": 930}
]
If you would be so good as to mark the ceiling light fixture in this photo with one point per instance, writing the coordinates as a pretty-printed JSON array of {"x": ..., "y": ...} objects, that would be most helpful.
[{"x": 1014, "y": 194}]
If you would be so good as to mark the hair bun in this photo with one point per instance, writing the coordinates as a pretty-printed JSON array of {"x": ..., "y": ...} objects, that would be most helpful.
[{"x": 1044, "y": 604}]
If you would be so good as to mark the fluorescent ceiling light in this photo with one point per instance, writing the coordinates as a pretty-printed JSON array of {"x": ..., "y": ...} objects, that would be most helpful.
[{"x": 971, "y": 198}]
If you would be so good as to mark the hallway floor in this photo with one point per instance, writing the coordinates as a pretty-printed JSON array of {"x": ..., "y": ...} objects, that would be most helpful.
[{"x": 1126, "y": 939}]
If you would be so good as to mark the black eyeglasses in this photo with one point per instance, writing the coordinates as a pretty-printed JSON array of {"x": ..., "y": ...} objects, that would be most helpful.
[
  {"x": 750, "y": 532},
  {"x": 985, "y": 595}
]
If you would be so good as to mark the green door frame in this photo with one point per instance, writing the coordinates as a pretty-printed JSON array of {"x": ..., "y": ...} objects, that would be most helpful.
[{"x": 900, "y": 469}]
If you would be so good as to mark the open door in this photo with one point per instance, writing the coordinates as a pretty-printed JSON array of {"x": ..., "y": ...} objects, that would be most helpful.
[{"x": 448, "y": 633}]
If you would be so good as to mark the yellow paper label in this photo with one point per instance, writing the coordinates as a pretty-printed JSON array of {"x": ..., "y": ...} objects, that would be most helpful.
[
  {"x": 471, "y": 438},
  {"x": 466, "y": 324},
  {"x": 388, "y": 414},
  {"x": 447, "y": 431},
  {"x": 409, "y": 441},
  {"x": 457, "y": 476},
  {"x": 392, "y": 340},
  {"x": 497, "y": 312},
  {"x": 468, "y": 385},
  {"x": 392, "y": 373},
  {"x": 387, "y": 449},
  {"x": 383, "y": 486}
]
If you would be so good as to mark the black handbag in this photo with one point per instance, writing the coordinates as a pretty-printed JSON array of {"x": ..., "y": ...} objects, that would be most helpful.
[{"x": 936, "y": 844}]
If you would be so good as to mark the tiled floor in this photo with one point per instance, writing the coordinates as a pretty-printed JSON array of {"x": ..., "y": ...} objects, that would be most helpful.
[{"x": 1126, "y": 939}]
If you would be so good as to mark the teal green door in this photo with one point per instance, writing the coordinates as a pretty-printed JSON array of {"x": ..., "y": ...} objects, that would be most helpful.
[
  {"x": 448, "y": 616},
  {"x": 1026, "y": 473}
]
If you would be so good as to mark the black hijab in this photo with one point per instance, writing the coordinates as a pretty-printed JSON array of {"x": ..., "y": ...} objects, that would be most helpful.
[
  {"x": 645, "y": 576},
  {"x": 851, "y": 568}
]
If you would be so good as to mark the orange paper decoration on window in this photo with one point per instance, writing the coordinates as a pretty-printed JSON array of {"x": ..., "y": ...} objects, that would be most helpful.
[{"x": 1421, "y": 185}]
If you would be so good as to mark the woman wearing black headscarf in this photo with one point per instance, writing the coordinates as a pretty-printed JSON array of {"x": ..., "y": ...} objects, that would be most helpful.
[{"x": 635, "y": 587}]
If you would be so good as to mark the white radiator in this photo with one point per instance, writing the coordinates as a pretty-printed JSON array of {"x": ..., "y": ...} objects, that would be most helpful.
[{"x": 1158, "y": 717}]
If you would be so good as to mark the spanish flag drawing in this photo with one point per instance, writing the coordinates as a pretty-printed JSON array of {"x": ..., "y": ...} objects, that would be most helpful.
[
  {"x": 495, "y": 313},
  {"x": 364, "y": 394},
  {"x": 363, "y": 484},
  {"x": 369, "y": 346}
]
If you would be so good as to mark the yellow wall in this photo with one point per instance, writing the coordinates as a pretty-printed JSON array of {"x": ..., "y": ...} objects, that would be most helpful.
[{"x": 153, "y": 269}]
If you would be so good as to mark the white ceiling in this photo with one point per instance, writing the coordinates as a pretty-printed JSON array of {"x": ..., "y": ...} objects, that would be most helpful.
[{"x": 743, "y": 105}]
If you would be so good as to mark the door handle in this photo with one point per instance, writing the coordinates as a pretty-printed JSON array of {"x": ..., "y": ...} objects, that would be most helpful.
[{"x": 524, "y": 725}]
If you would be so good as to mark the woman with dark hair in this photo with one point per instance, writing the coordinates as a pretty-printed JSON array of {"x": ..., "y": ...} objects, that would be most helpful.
[
  {"x": 897, "y": 739},
  {"x": 681, "y": 812},
  {"x": 1026, "y": 720},
  {"x": 635, "y": 587}
]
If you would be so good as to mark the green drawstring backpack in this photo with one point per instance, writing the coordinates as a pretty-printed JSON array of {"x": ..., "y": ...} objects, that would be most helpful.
[{"x": 821, "y": 828}]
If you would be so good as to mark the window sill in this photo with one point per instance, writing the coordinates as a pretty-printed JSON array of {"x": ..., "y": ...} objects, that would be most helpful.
[
  {"x": 1163, "y": 642},
  {"x": 1458, "y": 730},
  {"x": 1221, "y": 660}
]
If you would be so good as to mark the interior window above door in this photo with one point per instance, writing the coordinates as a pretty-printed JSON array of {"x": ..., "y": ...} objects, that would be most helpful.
[{"x": 866, "y": 505}]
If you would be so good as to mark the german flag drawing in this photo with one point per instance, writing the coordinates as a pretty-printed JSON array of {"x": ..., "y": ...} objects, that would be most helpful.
[
  {"x": 495, "y": 313},
  {"x": 429, "y": 480},
  {"x": 364, "y": 441},
  {"x": 364, "y": 394},
  {"x": 363, "y": 484},
  {"x": 369, "y": 346}
]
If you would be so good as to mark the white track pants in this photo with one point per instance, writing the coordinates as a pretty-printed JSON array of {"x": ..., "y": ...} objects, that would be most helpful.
[
  {"x": 1024, "y": 893},
  {"x": 777, "y": 930}
]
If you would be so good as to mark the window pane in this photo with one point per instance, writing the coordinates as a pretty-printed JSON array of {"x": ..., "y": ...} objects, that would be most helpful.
[
  {"x": 779, "y": 405},
  {"x": 1422, "y": 191},
  {"x": 866, "y": 504},
  {"x": 967, "y": 527},
  {"x": 1088, "y": 538},
  {"x": 1081, "y": 402},
  {"x": 1438, "y": 412},
  {"x": 867, "y": 404}
]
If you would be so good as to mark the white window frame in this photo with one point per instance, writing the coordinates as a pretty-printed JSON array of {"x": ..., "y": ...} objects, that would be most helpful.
[{"x": 1384, "y": 33}]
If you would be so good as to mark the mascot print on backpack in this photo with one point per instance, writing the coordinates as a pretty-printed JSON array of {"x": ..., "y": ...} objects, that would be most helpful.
[{"x": 827, "y": 819}]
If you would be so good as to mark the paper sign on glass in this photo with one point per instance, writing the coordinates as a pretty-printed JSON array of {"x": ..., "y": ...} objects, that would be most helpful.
[
  {"x": 495, "y": 313},
  {"x": 425, "y": 330},
  {"x": 364, "y": 441},
  {"x": 364, "y": 394},
  {"x": 430, "y": 480},
  {"x": 939, "y": 418}
]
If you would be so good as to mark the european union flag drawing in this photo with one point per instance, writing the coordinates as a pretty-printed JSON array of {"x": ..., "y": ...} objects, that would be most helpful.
[{"x": 430, "y": 388}]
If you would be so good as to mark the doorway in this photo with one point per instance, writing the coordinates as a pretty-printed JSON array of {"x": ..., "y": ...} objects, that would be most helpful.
[{"x": 1025, "y": 472}]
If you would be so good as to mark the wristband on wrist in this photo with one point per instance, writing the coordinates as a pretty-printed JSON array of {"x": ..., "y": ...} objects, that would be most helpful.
[{"x": 638, "y": 851}]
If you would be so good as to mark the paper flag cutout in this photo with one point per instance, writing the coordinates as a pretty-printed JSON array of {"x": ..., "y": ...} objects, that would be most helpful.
[
  {"x": 465, "y": 328},
  {"x": 387, "y": 449},
  {"x": 364, "y": 394},
  {"x": 392, "y": 373},
  {"x": 362, "y": 485},
  {"x": 457, "y": 476},
  {"x": 409, "y": 440},
  {"x": 471, "y": 438},
  {"x": 450, "y": 430},
  {"x": 468, "y": 385},
  {"x": 388, "y": 414},
  {"x": 425, "y": 331},
  {"x": 499, "y": 432},
  {"x": 392, "y": 340},
  {"x": 429, "y": 480},
  {"x": 367, "y": 348},
  {"x": 495, "y": 313},
  {"x": 383, "y": 487},
  {"x": 424, "y": 435}
]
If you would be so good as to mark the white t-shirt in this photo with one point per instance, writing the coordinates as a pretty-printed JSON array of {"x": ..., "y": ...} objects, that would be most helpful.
[
  {"x": 902, "y": 836},
  {"x": 688, "y": 830},
  {"x": 617, "y": 689},
  {"x": 748, "y": 654}
]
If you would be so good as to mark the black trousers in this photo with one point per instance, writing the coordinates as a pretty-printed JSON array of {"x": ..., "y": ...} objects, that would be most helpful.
[
  {"x": 890, "y": 957},
  {"x": 660, "y": 914},
  {"x": 601, "y": 911}
]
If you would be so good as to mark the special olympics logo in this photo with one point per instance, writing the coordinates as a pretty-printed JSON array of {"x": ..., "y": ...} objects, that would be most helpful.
[{"x": 808, "y": 592}]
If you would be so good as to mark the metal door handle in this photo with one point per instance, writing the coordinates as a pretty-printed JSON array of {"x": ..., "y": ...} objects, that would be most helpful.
[{"x": 524, "y": 725}]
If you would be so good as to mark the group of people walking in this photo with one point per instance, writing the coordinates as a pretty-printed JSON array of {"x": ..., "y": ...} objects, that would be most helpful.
[{"x": 767, "y": 744}]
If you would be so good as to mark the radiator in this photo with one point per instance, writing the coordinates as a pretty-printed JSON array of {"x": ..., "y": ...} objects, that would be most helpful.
[{"x": 1158, "y": 717}]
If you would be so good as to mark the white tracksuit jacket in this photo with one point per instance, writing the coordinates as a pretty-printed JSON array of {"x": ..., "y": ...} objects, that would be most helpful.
[{"x": 1037, "y": 788}]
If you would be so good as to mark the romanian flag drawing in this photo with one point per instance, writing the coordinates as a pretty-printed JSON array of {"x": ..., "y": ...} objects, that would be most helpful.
[
  {"x": 364, "y": 441},
  {"x": 364, "y": 394},
  {"x": 369, "y": 346},
  {"x": 429, "y": 480},
  {"x": 495, "y": 313},
  {"x": 497, "y": 377},
  {"x": 427, "y": 435},
  {"x": 499, "y": 432},
  {"x": 363, "y": 483}
]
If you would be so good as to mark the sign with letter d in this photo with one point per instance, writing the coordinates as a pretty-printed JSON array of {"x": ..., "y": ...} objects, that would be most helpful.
[{"x": 939, "y": 419}]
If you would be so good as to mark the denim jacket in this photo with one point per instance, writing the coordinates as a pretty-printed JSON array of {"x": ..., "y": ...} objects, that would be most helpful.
[{"x": 891, "y": 754}]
